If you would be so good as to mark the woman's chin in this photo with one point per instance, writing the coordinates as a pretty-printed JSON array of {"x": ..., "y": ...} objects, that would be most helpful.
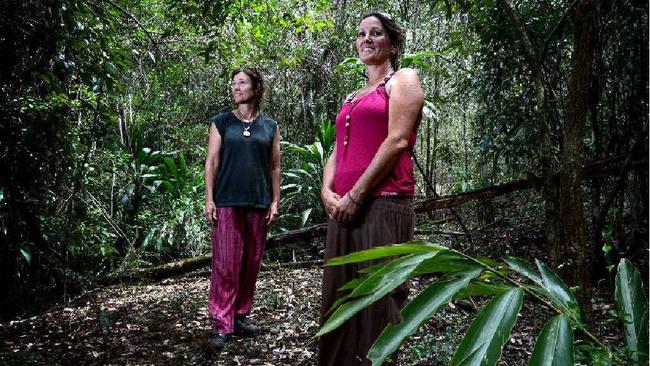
[
  {"x": 372, "y": 60},
  {"x": 243, "y": 101}
]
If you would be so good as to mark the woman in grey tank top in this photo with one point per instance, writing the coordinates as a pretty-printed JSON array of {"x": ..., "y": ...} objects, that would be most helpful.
[{"x": 242, "y": 187}]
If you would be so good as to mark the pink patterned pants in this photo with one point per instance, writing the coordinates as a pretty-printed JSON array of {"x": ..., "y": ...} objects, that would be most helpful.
[{"x": 237, "y": 247}]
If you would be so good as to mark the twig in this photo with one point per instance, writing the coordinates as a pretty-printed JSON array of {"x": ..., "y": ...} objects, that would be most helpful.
[
  {"x": 435, "y": 194},
  {"x": 106, "y": 217}
]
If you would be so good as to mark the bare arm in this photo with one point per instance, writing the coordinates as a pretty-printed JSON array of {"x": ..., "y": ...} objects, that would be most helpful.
[
  {"x": 211, "y": 169},
  {"x": 405, "y": 103},
  {"x": 274, "y": 166},
  {"x": 327, "y": 194}
]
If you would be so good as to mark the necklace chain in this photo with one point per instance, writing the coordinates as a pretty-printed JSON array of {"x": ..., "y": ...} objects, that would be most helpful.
[
  {"x": 250, "y": 118},
  {"x": 246, "y": 123}
]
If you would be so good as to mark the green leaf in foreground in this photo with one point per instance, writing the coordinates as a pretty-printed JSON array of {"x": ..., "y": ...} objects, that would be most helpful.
[
  {"x": 558, "y": 290},
  {"x": 376, "y": 286},
  {"x": 487, "y": 334},
  {"x": 523, "y": 268},
  {"x": 554, "y": 346},
  {"x": 633, "y": 309},
  {"x": 387, "y": 251},
  {"x": 415, "y": 313}
]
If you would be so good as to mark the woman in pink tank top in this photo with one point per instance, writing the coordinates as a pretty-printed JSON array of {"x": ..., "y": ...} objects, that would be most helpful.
[{"x": 368, "y": 183}]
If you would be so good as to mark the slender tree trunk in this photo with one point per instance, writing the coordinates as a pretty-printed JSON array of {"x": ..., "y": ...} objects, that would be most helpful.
[
  {"x": 638, "y": 243},
  {"x": 572, "y": 154},
  {"x": 485, "y": 208},
  {"x": 598, "y": 266}
]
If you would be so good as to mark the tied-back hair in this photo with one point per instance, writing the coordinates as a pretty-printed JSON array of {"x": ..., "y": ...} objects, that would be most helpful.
[
  {"x": 257, "y": 83},
  {"x": 396, "y": 35}
]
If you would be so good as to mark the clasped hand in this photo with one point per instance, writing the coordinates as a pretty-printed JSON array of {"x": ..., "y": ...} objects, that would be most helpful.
[{"x": 341, "y": 209}]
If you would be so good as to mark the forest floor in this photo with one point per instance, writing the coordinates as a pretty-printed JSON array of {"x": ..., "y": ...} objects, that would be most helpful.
[{"x": 166, "y": 323}]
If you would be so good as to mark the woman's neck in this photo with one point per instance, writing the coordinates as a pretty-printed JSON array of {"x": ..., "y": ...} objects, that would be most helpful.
[
  {"x": 246, "y": 110},
  {"x": 377, "y": 73}
]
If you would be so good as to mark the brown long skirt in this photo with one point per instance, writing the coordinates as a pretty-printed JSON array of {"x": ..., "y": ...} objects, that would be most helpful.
[{"x": 383, "y": 221}]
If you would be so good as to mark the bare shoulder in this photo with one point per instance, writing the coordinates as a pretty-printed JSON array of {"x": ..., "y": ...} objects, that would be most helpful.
[
  {"x": 406, "y": 74},
  {"x": 404, "y": 79}
]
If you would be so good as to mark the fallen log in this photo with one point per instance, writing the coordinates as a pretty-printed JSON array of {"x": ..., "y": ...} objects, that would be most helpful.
[
  {"x": 190, "y": 264},
  {"x": 603, "y": 167},
  {"x": 273, "y": 266},
  {"x": 292, "y": 236},
  {"x": 483, "y": 193}
]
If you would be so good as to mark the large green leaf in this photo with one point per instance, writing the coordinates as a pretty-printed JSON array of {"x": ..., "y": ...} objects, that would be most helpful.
[
  {"x": 171, "y": 166},
  {"x": 368, "y": 283},
  {"x": 487, "y": 334},
  {"x": 182, "y": 165},
  {"x": 415, "y": 313},
  {"x": 523, "y": 268},
  {"x": 386, "y": 251},
  {"x": 558, "y": 290},
  {"x": 480, "y": 288},
  {"x": 633, "y": 310},
  {"x": 376, "y": 286},
  {"x": 554, "y": 346},
  {"x": 446, "y": 262},
  {"x": 385, "y": 275}
]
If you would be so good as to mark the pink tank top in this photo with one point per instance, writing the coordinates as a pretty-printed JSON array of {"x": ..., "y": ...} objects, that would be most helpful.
[{"x": 361, "y": 127}]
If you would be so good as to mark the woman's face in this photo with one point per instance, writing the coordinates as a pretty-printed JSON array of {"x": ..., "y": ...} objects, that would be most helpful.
[
  {"x": 241, "y": 86},
  {"x": 373, "y": 44}
]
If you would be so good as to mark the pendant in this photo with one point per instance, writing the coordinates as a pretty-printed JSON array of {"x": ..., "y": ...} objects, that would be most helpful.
[{"x": 246, "y": 133}]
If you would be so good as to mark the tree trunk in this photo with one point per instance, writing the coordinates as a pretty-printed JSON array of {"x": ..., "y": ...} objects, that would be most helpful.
[
  {"x": 599, "y": 264},
  {"x": 572, "y": 153},
  {"x": 485, "y": 208}
]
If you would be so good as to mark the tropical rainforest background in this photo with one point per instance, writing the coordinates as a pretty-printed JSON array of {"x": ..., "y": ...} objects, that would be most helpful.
[{"x": 534, "y": 141}]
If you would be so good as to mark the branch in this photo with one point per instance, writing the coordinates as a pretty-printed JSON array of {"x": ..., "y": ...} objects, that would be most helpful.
[
  {"x": 137, "y": 22},
  {"x": 558, "y": 27},
  {"x": 600, "y": 167},
  {"x": 191, "y": 264},
  {"x": 622, "y": 175},
  {"x": 529, "y": 50},
  {"x": 437, "y": 196}
]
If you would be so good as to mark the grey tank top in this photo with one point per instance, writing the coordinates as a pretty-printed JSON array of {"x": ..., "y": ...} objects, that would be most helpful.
[{"x": 244, "y": 179}]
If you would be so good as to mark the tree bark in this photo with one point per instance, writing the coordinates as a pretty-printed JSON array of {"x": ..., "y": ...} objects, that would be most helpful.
[{"x": 572, "y": 153}]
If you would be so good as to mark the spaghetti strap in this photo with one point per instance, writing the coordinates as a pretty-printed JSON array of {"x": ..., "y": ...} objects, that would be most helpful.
[{"x": 388, "y": 78}]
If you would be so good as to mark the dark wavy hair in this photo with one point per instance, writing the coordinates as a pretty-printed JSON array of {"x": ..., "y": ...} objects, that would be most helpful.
[
  {"x": 396, "y": 35},
  {"x": 258, "y": 83}
]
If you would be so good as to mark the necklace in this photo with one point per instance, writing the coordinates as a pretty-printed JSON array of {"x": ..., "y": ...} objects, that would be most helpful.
[
  {"x": 353, "y": 103},
  {"x": 368, "y": 88},
  {"x": 246, "y": 122}
]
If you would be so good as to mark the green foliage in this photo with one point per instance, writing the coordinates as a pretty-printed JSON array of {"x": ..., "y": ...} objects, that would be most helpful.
[
  {"x": 633, "y": 310},
  {"x": 431, "y": 299},
  {"x": 490, "y": 330},
  {"x": 303, "y": 183},
  {"x": 554, "y": 345},
  {"x": 483, "y": 342},
  {"x": 166, "y": 65}
]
